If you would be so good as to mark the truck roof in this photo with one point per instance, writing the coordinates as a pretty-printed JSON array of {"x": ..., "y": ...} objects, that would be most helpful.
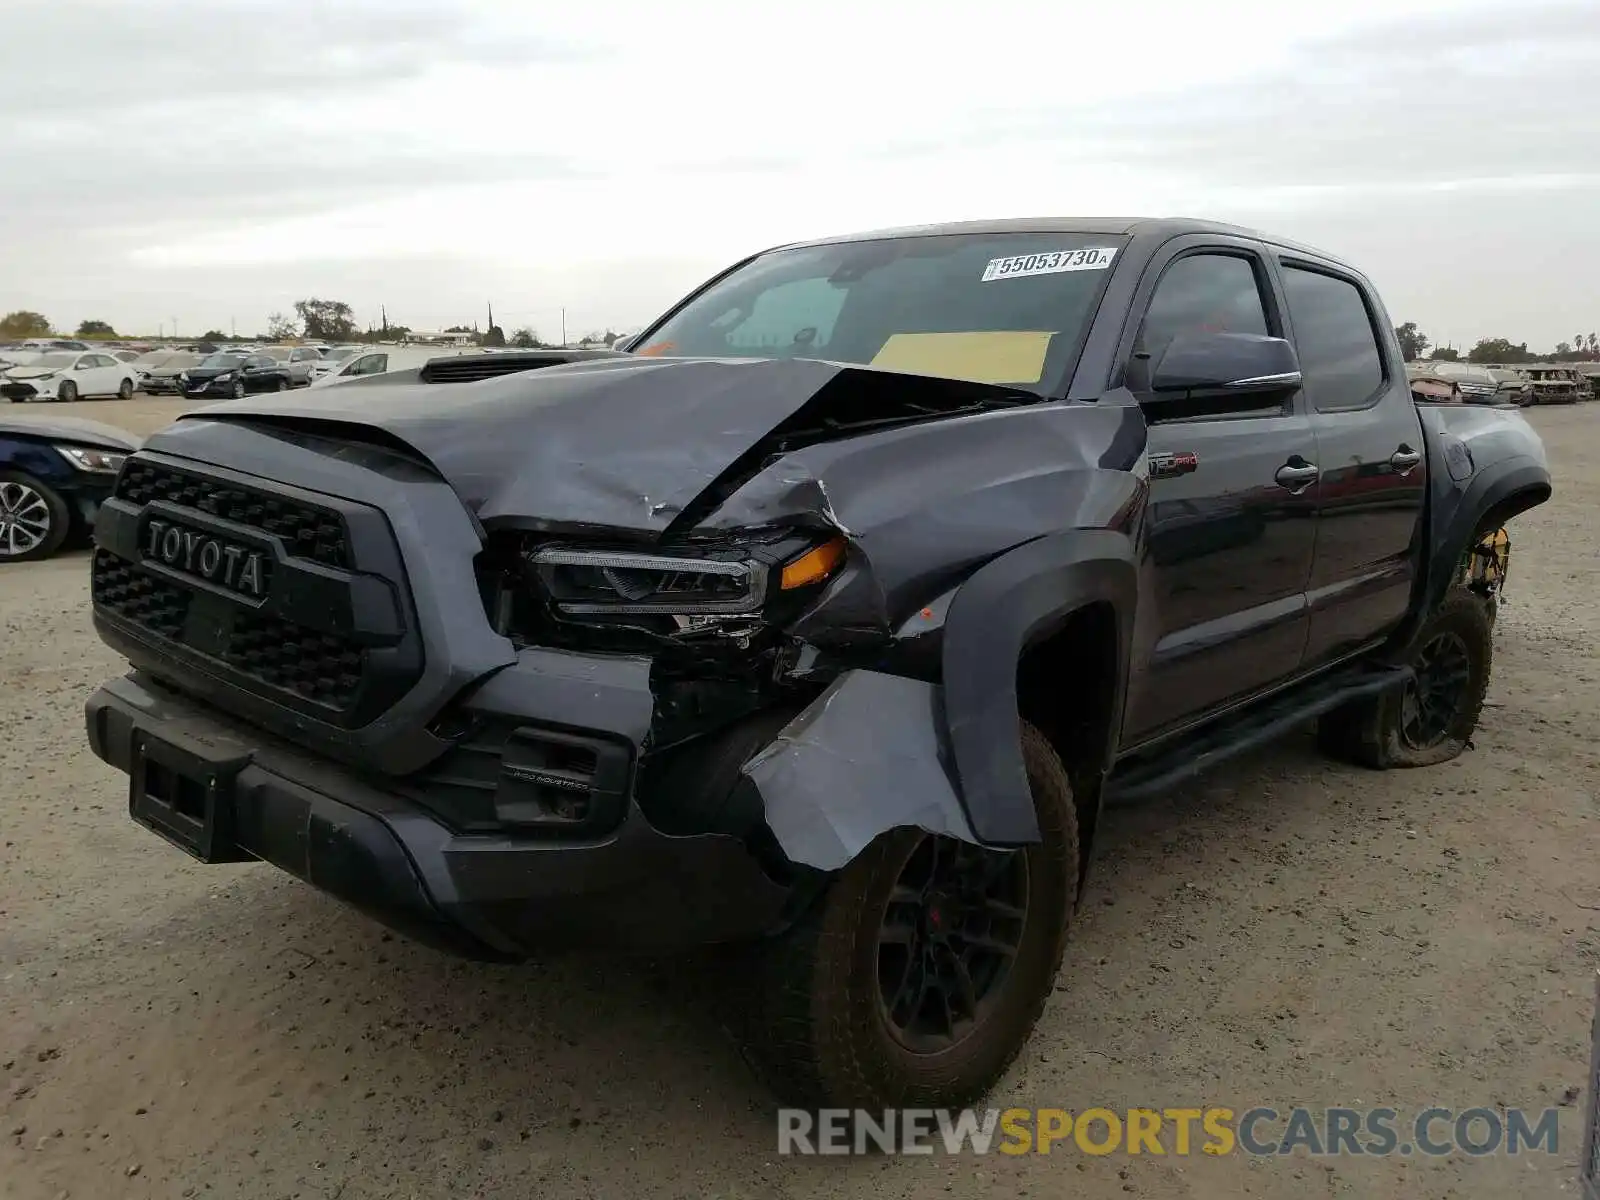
[{"x": 1162, "y": 227}]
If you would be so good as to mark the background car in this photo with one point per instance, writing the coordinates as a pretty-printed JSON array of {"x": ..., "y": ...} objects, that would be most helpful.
[
  {"x": 156, "y": 373},
  {"x": 53, "y": 476},
  {"x": 379, "y": 360},
  {"x": 68, "y": 375},
  {"x": 1557, "y": 383},
  {"x": 332, "y": 359},
  {"x": 1514, "y": 386},
  {"x": 298, "y": 361},
  {"x": 1475, "y": 383},
  {"x": 16, "y": 356},
  {"x": 234, "y": 375},
  {"x": 126, "y": 356}
]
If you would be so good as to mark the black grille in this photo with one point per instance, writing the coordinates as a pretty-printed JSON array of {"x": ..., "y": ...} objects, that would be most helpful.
[
  {"x": 137, "y": 597},
  {"x": 307, "y": 530},
  {"x": 322, "y": 667}
]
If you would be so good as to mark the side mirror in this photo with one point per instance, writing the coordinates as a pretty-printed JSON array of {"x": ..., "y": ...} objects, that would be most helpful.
[{"x": 1232, "y": 363}]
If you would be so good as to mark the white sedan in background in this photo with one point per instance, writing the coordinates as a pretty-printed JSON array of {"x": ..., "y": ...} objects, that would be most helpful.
[
  {"x": 68, "y": 375},
  {"x": 380, "y": 360},
  {"x": 333, "y": 358}
]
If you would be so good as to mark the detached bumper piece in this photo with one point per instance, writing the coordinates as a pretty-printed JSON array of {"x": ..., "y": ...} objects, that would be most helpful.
[{"x": 225, "y": 792}]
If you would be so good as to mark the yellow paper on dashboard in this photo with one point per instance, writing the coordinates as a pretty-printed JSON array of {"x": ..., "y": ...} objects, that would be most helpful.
[{"x": 990, "y": 356}]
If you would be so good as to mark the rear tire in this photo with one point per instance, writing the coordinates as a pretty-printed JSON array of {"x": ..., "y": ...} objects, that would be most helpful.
[
  {"x": 34, "y": 520},
  {"x": 1432, "y": 719},
  {"x": 857, "y": 1005}
]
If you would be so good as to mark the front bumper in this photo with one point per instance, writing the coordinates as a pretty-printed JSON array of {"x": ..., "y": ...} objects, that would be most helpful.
[
  {"x": 480, "y": 895},
  {"x": 19, "y": 392},
  {"x": 159, "y": 385},
  {"x": 208, "y": 388}
]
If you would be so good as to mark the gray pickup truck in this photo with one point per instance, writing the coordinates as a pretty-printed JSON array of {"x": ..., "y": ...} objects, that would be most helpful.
[{"x": 823, "y": 620}]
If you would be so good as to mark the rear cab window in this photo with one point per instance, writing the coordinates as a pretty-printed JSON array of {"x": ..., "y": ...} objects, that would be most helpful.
[{"x": 1336, "y": 339}]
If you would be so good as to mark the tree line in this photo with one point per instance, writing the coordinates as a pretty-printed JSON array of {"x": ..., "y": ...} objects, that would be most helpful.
[
  {"x": 1584, "y": 347},
  {"x": 313, "y": 319}
]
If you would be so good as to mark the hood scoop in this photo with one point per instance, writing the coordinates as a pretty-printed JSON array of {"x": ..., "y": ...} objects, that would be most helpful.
[{"x": 469, "y": 368}]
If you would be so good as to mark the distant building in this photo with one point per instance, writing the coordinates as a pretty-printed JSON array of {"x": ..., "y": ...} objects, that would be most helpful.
[{"x": 441, "y": 338}]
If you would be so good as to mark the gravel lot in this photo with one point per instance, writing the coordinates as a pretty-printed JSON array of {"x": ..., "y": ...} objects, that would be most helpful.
[{"x": 1285, "y": 932}]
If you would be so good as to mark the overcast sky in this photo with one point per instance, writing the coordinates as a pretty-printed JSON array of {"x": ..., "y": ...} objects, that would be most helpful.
[{"x": 214, "y": 162}]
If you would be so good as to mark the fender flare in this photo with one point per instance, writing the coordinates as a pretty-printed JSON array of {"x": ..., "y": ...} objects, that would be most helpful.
[
  {"x": 1501, "y": 492},
  {"x": 1007, "y": 605}
]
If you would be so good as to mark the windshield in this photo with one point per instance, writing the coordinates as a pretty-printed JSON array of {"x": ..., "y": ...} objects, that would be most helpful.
[
  {"x": 59, "y": 358},
  {"x": 1007, "y": 308},
  {"x": 221, "y": 360}
]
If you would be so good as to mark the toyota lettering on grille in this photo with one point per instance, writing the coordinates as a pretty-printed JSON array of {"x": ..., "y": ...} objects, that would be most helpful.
[{"x": 203, "y": 556}]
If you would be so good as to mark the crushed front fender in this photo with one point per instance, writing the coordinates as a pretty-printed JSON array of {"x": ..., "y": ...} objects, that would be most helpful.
[{"x": 867, "y": 756}]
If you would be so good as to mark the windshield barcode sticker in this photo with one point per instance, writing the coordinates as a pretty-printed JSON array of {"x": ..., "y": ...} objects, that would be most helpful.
[{"x": 1095, "y": 258}]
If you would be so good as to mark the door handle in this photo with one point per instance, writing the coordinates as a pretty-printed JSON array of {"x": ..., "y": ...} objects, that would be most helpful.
[
  {"x": 1403, "y": 459},
  {"x": 1297, "y": 474}
]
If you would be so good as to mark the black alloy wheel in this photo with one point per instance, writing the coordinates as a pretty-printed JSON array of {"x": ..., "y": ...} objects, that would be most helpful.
[
  {"x": 951, "y": 928},
  {"x": 1434, "y": 698}
]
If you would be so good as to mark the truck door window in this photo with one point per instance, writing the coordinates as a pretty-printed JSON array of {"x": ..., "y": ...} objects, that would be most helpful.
[
  {"x": 1203, "y": 293},
  {"x": 1334, "y": 336}
]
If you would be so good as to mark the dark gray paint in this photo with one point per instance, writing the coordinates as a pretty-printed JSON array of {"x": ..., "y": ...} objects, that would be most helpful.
[
  {"x": 619, "y": 444},
  {"x": 867, "y": 756}
]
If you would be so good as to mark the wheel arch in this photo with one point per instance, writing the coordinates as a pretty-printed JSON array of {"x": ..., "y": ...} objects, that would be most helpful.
[
  {"x": 1059, "y": 608},
  {"x": 1492, "y": 499},
  {"x": 1457, "y": 518}
]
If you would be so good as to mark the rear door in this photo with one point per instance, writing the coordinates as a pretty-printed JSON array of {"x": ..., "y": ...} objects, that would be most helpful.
[
  {"x": 96, "y": 375},
  {"x": 1227, "y": 549},
  {"x": 1374, "y": 471}
]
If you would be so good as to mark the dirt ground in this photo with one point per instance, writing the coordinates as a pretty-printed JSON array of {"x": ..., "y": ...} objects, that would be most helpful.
[{"x": 1285, "y": 932}]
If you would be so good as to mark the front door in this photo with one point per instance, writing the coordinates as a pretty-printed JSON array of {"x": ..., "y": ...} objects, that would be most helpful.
[{"x": 1229, "y": 532}]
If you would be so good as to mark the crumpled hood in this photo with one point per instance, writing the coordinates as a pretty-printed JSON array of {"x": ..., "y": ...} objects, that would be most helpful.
[
  {"x": 32, "y": 372},
  {"x": 71, "y": 429},
  {"x": 618, "y": 443}
]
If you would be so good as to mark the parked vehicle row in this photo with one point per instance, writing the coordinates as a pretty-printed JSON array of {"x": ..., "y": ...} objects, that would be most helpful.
[{"x": 1438, "y": 381}]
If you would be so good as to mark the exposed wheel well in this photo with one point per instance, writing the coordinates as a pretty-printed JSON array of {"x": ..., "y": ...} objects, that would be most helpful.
[
  {"x": 1067, "y": 688},
  {"x": 1504, "y": 509}
]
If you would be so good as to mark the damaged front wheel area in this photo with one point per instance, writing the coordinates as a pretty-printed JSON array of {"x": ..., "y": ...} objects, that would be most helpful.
[{"x": 918, "y": 975}]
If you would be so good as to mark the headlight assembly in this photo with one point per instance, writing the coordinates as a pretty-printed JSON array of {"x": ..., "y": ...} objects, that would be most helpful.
[
  {"x": 581, "y": 582},
  {"x": 88, "y": 459}
]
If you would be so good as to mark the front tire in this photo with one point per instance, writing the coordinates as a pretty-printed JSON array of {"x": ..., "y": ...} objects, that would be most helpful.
[
  {"x": 125, "y": 390},
  {"x": 238, "y": 391},
  {"x": 919, "y": 974},
  {"x": 34, "y": 520},
  {"x": 1432, "y": 718},
  {"x": 283, "y": 385},
  {"x": 67, "y": 392}
]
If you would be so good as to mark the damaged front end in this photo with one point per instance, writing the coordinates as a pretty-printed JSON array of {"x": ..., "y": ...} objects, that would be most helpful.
[{"x": 561, "y": 660}]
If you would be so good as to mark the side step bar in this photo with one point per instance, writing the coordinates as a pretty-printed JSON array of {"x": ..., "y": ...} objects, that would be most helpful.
[{"x": 1265, "y": 721}]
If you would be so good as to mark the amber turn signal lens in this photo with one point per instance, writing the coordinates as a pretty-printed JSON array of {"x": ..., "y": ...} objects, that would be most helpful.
[{"x": 814, "y": 565}]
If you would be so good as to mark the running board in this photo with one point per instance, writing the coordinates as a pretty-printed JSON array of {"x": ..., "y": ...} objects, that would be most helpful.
[{"x": 1265, "y": 721}]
